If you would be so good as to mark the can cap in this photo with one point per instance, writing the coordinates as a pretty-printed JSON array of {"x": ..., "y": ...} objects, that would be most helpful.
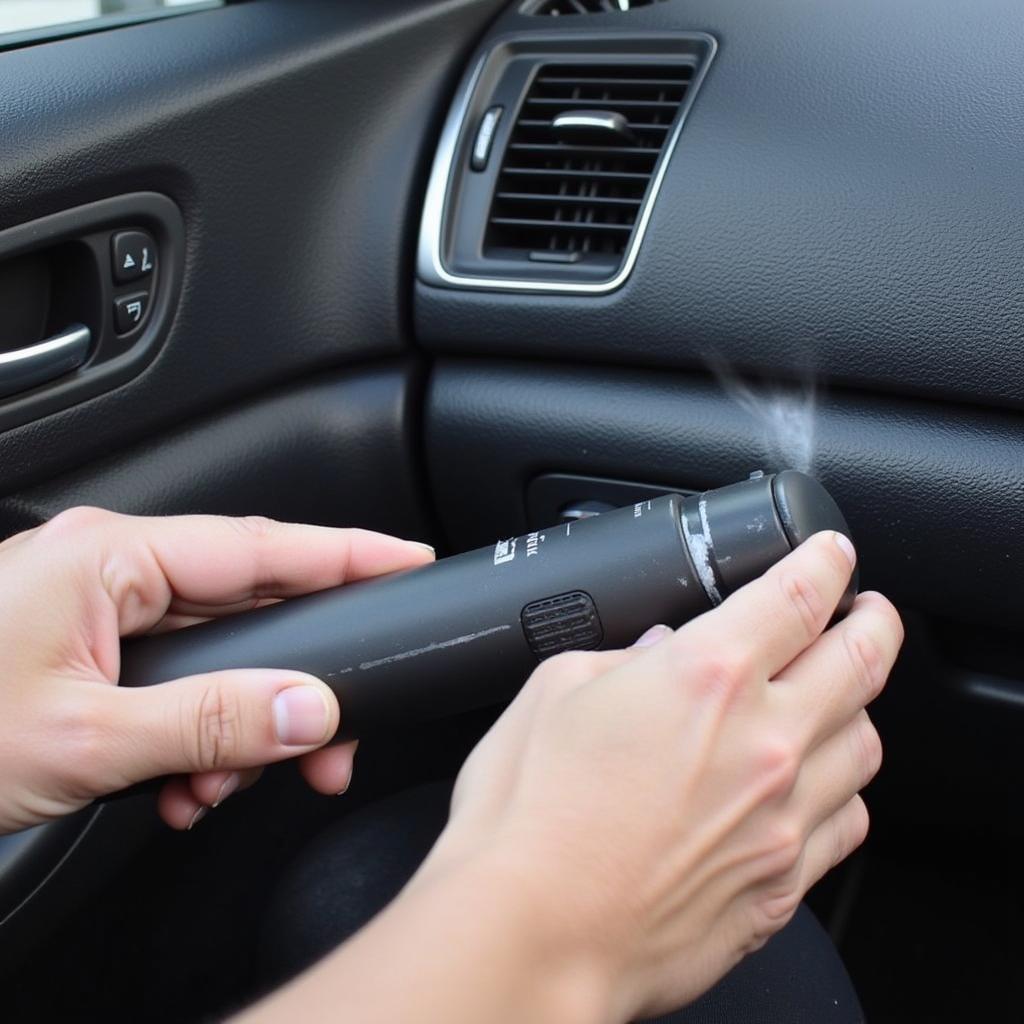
[{"x": 806, "y": 508}]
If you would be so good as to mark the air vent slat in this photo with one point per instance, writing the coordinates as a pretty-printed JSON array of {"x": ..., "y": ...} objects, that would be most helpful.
[
  {"x": 605, "y": 80},
  {"x": 581, "y": 225},
  {"x": 562, "y": 102},
  {"x": 545, "y": 147},
  {"x": 585, "y": 200},
  {"x": 561, "y": 172},
  {"x": 582, "y": 193},
  {"x": 542, "y": 123},
  {"x": 556, "y": 8}
]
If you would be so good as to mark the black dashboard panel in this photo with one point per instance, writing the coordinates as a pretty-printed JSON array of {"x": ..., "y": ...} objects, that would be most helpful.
[
  {"x": 846, "y": 200},
  {"x": 935, "y": 497}
]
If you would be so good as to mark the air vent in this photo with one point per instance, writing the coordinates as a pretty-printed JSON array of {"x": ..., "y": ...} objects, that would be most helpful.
[
  {"x": 551, "y": 159},
  {"x": 580, "y": 160},
  {"x": 555, "y": 8}
]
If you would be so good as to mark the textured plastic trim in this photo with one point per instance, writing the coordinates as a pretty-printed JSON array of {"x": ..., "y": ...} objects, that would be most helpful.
[
  {"x": 149, "y": 210},
  {"x": 430, "y": 261}
]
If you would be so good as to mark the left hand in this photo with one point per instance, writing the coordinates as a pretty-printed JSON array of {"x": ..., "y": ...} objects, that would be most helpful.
[{"x": 70, "y": 589}]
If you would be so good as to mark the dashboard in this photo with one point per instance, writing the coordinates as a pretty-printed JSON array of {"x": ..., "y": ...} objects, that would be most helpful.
[{"x": 840, "y": 214}]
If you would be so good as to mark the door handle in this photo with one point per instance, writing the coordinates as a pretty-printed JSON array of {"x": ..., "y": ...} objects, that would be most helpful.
[{"x": 24, "y": 368}]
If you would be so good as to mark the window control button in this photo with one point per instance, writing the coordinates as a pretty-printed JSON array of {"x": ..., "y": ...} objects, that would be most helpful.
[
  {"x": 130, "y": 311},
  {"x": 134, "y": 255}
]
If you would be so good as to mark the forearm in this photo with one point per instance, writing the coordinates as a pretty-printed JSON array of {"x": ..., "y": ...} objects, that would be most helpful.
[{"x": 457, "y": 947}]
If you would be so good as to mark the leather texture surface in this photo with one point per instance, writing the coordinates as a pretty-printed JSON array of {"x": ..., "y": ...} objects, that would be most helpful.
[
  {"x": 335, "y": 451},
  {"x": 293, "y": 135},
  {"x": 934, "y": 494},
  {"x": 845, "y": 200}
]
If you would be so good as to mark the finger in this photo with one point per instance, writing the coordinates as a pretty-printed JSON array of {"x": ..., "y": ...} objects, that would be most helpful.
[
  {"x": 178, "y": 620},
  {"x": 833, "y": 841},
  {"x": 827, "y": 685},
  {"x": 18, "y": 539},
  {"x": 177, "y": 805},
  {"x": 771, "y": 620},
  {"x": 180, "y": 806},
  {"x": 217, "y": 561},
  {"x": 169, "y": 623},
  {"x": 222, "y": 721},
  {"x": 249, "y": 778},
  {"x": 212, "y": 788},
  {"x": 198, "y": 565},
  {"x": 836, "y": 771},
  {"x": 652, "y": 637},
  {"x": 329, "y": 771}
]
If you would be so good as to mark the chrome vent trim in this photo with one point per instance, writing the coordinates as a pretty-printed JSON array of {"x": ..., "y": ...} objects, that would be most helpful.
[{"x": 431, "y": 267}]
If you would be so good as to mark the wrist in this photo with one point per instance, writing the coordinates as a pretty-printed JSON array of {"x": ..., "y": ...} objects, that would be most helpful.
[
  {"x": 474, "y": 936},
  {"x": 560, "y": 968}
]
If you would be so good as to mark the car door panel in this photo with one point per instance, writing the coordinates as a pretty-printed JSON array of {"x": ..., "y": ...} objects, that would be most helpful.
[
  {"x": 309, "y": 452},
  {"x": 292, "y": 135}
]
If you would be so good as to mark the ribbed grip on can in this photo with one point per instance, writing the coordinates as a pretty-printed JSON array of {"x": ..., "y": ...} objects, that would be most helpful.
[{"x": 566, "y": 622}]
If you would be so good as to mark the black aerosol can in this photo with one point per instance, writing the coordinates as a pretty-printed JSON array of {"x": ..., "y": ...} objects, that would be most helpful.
[{"x": 467, "y": 631}]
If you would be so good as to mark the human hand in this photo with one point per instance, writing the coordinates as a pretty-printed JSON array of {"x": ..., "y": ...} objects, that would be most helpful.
[
  {"x": 74, "y": 586},
  {"x": 663, "y": 810}
]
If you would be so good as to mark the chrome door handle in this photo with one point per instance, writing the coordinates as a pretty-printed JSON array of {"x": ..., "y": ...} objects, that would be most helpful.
[{"x": 24, "y": 368}]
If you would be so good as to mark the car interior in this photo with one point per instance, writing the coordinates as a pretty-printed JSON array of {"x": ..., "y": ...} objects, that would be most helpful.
[{"x": 461, "y": 269}]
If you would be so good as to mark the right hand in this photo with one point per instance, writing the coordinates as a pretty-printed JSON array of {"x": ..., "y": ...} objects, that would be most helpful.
[{"x": 666, "y": 808}]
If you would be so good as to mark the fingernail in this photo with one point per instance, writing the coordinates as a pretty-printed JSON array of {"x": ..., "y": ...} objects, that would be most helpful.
[
  {"x": 301, "y": 716},
  {"x": 426, "y": 547},
  {"x": 653, "y": 636},
  {"x": 351, "y": 769},
  {"x": 846, "y": 546},
  {"x": 196, "y": 818},
  {"x": 228, "y": 786}
]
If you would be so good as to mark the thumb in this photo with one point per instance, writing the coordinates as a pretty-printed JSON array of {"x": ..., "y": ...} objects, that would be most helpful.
[{"x": 221, "y": 720}]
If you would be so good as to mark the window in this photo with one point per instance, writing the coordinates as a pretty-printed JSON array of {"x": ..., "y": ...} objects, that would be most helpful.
[{"x": 23, "y": 21}]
